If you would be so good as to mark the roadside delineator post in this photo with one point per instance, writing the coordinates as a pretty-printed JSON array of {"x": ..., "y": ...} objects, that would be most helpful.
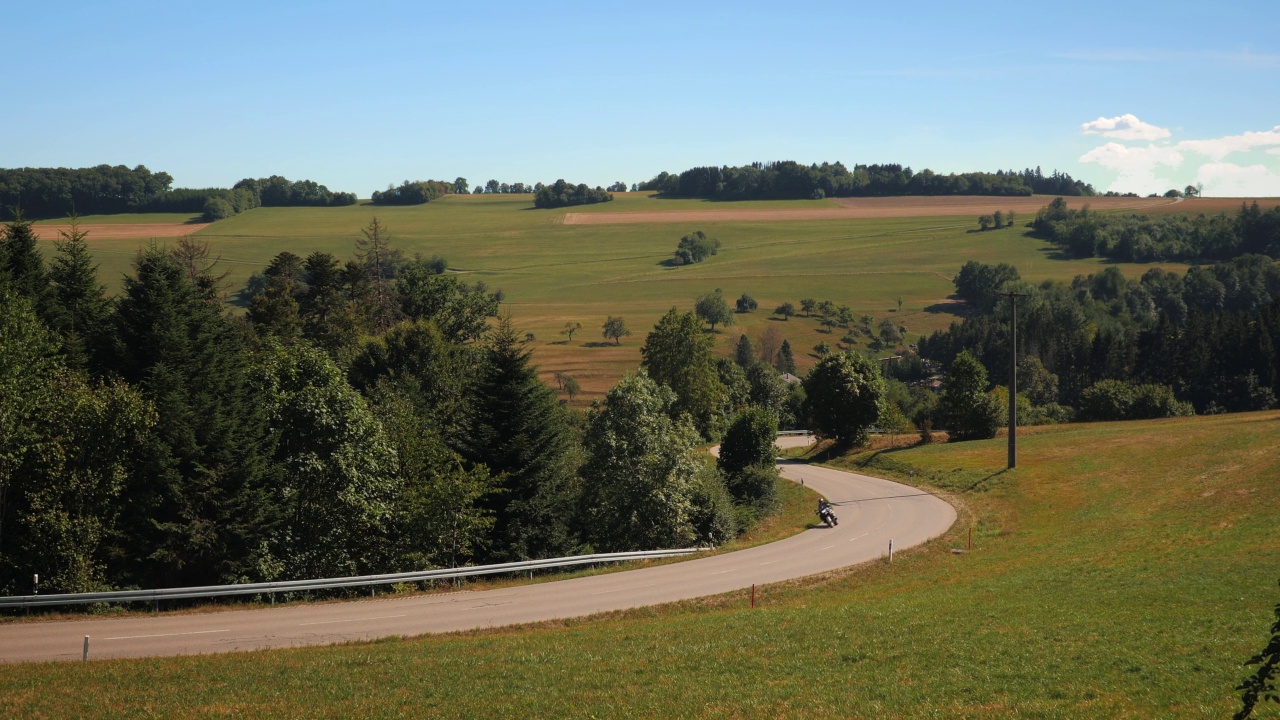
[
  {"x": 85, "y": 654},
  {"x": 890, "y": 549},
  {"x": 753, "y": 596}
]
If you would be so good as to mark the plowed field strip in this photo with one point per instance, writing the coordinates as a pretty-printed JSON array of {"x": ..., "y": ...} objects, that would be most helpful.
[{"x": 857, "y": 208}]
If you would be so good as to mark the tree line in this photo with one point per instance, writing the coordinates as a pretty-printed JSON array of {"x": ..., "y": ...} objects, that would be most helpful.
[
  {"x": 1168, "y": 237},
  {"x": 792, "y": 180},
  {"x": 416, "y": 192},
  {"x": 274, "y": 191},
  {"x": 367, "y": 414},
  {"x": 58, "y": 192},
  {"x": 563, "y": 194},
  {"x": 1108, "y": 347}
]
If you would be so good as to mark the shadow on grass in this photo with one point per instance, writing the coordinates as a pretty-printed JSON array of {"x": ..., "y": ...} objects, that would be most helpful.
[
  {"x": 958, "y": 309},
  {"x": 599, "y": 344}
]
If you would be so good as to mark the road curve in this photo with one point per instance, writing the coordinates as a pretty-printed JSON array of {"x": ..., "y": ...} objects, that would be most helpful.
[{"x": 872, "y": 511}]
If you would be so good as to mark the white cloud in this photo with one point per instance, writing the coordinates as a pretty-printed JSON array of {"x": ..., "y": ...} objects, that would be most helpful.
[
  {"x": 1219, "y": 148},
  {"x": 1124, "y": 127},
  {"x": 1274, "y": 151},
  {"x": 1230, "y": 180},
  {"x": 1135, "y": 166}
]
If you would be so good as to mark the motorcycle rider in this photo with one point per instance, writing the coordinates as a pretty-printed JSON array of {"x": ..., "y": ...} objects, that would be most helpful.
[{"x": 824, "y": 508}]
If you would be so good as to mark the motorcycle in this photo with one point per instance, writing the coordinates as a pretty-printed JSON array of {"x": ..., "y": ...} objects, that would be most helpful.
[{"x": 828, "y": 516}]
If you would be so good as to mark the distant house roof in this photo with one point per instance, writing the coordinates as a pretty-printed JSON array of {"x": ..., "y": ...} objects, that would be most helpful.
[{"x": 790, "y": 379}]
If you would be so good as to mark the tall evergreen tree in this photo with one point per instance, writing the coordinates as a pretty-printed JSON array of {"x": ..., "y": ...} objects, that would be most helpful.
[
  {"x": 786, "y": 361},
  {"x": 525, "y": 438},
  {"x": 79, "y": 300},
  {"x": 200, "y": 514},
  {"x": 21, "y": 264},
  {"x": 329, "y": 319},
  {"x": 744, "y": 353}
]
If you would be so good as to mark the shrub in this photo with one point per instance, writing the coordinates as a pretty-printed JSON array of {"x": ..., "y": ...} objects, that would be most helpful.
[
  {"x": 217, "y": 209},
  {"x": 1118, "y": 400},
  {"x": 713, "y": 516}
]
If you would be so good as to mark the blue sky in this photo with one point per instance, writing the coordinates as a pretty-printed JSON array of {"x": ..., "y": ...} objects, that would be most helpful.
[{"x": 359, "y": 95}]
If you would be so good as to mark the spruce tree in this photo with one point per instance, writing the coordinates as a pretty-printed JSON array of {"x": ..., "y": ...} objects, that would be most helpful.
[
  {"x": 786, "y": 361},
  {"x": 744, "y": 353},
  {"x": 79, "y": 301},
  {"x": 200, "y": 513},
  {"x": 525, "y": 438},
  {"x": 21, "y": 265}
]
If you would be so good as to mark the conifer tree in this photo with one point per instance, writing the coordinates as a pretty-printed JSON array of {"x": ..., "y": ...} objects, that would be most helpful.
[
  {"x": 524, "y": 437},
  {"x": 744, "y": 353},
  {"x": 79, "y": 300},
  {"x": 199, "y": 514},
  {"x": 21, "y": 265},
  {"x": 786, "y": 361}
]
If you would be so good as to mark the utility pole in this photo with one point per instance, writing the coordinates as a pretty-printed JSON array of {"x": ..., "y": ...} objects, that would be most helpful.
[{"x": 1013, "y": 375}]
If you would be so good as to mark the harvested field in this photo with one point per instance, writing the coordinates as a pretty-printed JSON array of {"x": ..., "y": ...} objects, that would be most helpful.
[
  {"x": 1213, "y": 205},
  {"x": 860, "y": 208},
  {"x": 122, "y": 231}
]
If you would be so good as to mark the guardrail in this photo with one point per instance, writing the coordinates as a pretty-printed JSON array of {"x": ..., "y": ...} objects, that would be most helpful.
[
  {"x": 271, "y": 588},
  {"x": 795, "y": 432}
]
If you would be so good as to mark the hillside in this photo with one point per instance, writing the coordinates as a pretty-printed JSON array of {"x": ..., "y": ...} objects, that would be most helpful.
[
  {"x": 552, "y": 273},
  {"x": 1124, "y": 570}
]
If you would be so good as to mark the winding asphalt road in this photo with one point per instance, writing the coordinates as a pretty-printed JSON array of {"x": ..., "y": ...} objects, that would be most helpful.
[{"x": 871, "y": 511}]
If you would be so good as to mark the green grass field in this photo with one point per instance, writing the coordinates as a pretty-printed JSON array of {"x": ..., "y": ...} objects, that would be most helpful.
[
  {"x": 1125, "y": 570},
  {"x": 553, "y": 273}
]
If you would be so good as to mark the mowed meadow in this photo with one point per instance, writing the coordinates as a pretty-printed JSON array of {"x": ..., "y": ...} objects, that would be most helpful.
[
  {"x": 552, "y": 273},
  {"x": 1124, "y": 570}
]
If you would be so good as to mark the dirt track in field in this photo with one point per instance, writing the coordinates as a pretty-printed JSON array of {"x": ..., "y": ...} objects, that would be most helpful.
[
  {"x": 122, "y": 231},
  {"x": 857, "y": 208}
]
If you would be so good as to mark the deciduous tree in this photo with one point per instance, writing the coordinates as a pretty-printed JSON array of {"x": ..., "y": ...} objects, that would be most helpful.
[
  {"x": 678, "y": 355},
  {"x": 615, "y": 328},
  {"x": 640, "y": 469},
  {"x": 713, "y": 309},
  {"x": 846, "y": 396}
]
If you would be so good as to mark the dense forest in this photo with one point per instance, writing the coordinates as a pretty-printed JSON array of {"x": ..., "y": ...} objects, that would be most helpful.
[
  {"x": 58, "y": 192},
  {"x": 1169, "y": 237},
  {"x": 1102, "y": 344},
  {"x": 791, "y": 180},
  {"x": 367, "y": 414}
]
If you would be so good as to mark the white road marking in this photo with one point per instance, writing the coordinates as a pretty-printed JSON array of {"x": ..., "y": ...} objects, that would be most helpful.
[
  {"x": 331, "y": 622},
  {"x": 724, "y": 571},
  {"x": 827, "y": 547},
  {"x": 769, "y": 563},
  {"x": 860, "y": 536},
  {"x": 136, "y": 637}
]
